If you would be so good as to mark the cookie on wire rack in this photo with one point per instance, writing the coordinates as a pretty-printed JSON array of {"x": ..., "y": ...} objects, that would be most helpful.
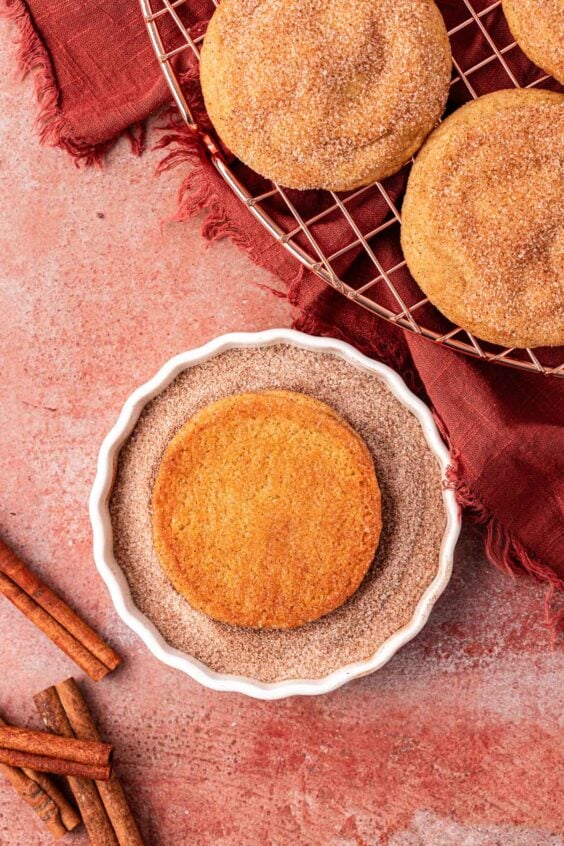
[
  {"x": 483, "y": 221},
  {"x": 538, "y": 27},
  {"x": 330, "y": 94}
]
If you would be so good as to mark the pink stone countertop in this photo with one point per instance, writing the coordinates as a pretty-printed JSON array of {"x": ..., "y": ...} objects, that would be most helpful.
[{"x": 454, "y": 743}]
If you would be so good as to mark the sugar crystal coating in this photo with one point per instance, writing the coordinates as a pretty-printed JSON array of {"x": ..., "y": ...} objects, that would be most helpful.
[
  {"x": 483, "y": 219},
  {"x": 538, "y": 28},
  {"x": 325, "y": 93}
]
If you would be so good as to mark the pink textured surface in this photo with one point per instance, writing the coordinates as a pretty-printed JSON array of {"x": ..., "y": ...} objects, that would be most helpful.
[{"x": 454, "y": 743}]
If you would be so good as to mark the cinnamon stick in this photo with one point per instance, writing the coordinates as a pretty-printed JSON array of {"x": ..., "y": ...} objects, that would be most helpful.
[
  {"x": 55, "y": 766},
  {"x": 68, "y": 814},
  {"x": 37, "y": 799},
  {"x": 111, "y": 792},
  {"x": 39, "y": 750},
  {"x": 53, "y": 746},
  {"x": 94, "y": 816},
  {"x": 42, "y": 794},
  {"x": 54, "y": 617}
]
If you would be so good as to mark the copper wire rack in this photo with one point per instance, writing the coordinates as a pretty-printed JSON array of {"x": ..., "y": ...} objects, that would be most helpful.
[{"x": 175, "y": 30}]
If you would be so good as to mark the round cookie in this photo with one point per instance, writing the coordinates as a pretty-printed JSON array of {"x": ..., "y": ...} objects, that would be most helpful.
[
  {"x": 325, "y": 93},
  {"x": 266, "y": 510},
  {"x": 538, "y": 27},
  {"x": 483, "y": 222}
]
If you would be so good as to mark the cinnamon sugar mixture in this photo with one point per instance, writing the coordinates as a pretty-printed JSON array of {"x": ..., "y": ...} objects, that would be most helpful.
[{"x": 412, "y": 511}]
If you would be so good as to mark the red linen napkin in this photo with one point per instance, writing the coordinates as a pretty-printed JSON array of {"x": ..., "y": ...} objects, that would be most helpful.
[{"x": 97, "y": 77}]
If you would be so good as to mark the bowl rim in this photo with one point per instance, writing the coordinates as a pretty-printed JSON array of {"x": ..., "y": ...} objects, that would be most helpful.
[{"x": 116, "y": 582}]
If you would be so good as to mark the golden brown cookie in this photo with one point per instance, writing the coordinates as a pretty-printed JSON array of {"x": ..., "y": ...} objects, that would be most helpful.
[
  {"x": 266, "y": 510},
  {"x": 538, "y": 27},
  {"x": 325, "y": 93},
  {"x": 482, "y": 219}
]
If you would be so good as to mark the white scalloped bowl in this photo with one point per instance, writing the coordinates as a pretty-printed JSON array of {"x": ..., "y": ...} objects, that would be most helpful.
[{"x": 116, "y": 581}]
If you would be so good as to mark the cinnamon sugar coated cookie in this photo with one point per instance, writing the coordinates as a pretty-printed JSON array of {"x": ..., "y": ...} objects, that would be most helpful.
[
  {"x": 483, "y": 220},
  {"x": 325, "y": 93},
  {"x": 266, "y": 510},
  {"x": 538, "y": 27}
]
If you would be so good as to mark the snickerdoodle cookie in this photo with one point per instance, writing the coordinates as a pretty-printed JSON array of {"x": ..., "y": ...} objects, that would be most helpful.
[
  {"x": 325, "y": 93},
  {"x": 483, "y": 221},
  {"x": 538, "y": 28},
  {"x": 266, "y": 510}
]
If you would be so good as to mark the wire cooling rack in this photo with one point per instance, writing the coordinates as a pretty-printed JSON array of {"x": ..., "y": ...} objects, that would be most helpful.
[{"x": 380, "y": 281}]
